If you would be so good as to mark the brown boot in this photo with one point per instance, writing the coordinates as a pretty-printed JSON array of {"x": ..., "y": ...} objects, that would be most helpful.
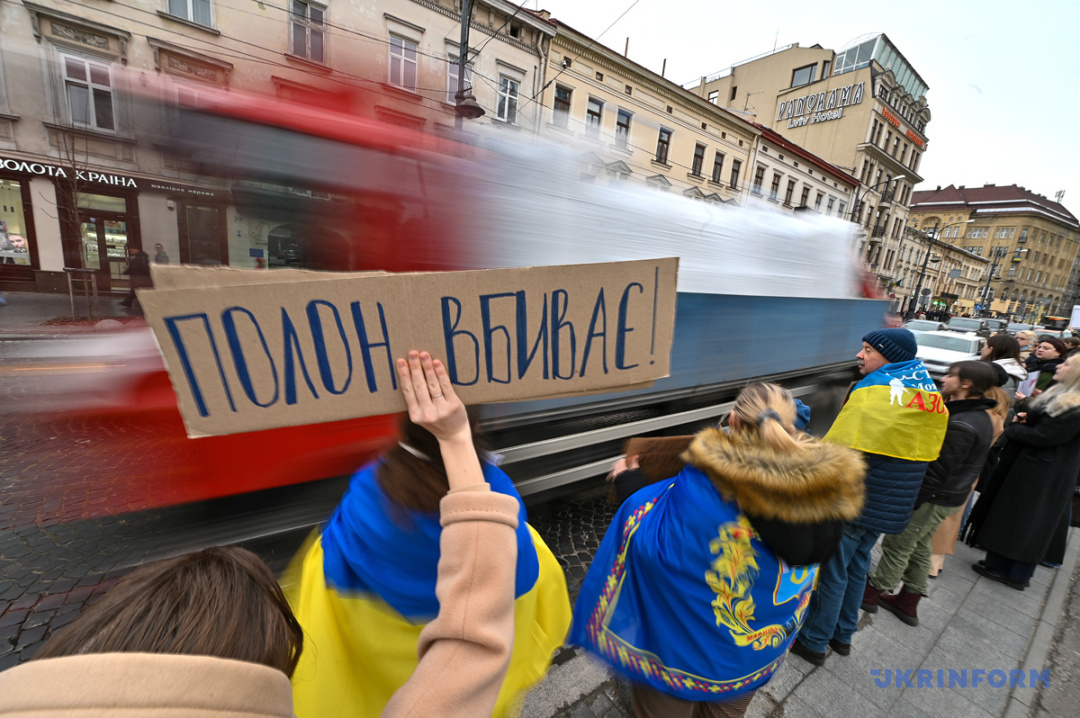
[
  {"x": 870, "y": 597},
  {"x": 903, "y": 605}
]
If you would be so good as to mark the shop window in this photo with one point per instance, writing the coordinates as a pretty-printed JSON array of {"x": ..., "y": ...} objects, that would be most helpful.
[
  {"x": 508, "y": 99},
  {"x": 308, "y": 23},
  {"x": 196, "y": 11},
  {"x": 403, "y": 63},
  {"x": 14, "y": 237},
  {"x": 89, "y": 93}
]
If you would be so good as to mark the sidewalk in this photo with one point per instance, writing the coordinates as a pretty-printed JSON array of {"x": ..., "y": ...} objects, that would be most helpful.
[
  {"x": 27, "y": 314},
  {"x": 968, "y": 622}
]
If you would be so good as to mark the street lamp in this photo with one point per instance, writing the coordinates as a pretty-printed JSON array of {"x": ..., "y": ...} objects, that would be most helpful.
[
  {"x": 858, "y": 193},
  {"x": 997, "y": 254},
  {"x": 926, "y": 260}
]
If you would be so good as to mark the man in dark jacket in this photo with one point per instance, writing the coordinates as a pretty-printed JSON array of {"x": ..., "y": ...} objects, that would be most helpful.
[
  {"x": 887, "y": 361},
  {"x": 944, "y": 490},
  {"x": 138, "y": 271}
]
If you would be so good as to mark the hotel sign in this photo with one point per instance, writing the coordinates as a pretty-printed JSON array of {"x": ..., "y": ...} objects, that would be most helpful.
[
  {"x": 820, "y": 107},
  {"x": 895, "y": 122}
]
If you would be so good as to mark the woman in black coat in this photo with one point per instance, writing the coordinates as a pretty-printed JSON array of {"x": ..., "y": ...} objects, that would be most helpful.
[{"x": 1015, "y": 519}]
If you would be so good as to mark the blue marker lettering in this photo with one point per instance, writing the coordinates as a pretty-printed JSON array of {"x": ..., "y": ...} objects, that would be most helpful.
[
  {"x": 189, "y": 373},
  {"x": 366, "y": 346},
  {"x": 560, "y": 301},
  {"x": 450, "y": 333},
  {"x": 326, "y": 372},
  {"x": 622, "y": 330},
  {"x": 240, "y": 361},
  {"x": 599, "y": 312},
  {"x": 524, "y": 355},
  {"x": 489, "y": 332},
  {"x": 292, "y": 344}
]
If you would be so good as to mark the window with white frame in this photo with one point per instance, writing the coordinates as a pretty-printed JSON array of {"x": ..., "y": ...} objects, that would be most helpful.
[
  {"x": 452, "y": 78},
  {"x": 403, "y": 63},
  {"x": 308, "y": 21},
  {"x": 89, "y": 93},
  {"x": 622, "y": 129},
  {"x": 663, "y": 144},
  {"x": 508, "y": 99},
  {"x": 197, "y": 11},
  {"x": 594, "y": 113},
  {"x": 718, "y": 168},
  {"x": 561, "y": 115}
]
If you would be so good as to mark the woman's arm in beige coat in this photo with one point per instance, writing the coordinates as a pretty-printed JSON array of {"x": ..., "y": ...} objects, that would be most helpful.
[{"x": 465, "y": 651}]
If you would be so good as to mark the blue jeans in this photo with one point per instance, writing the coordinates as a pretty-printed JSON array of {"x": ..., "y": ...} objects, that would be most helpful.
[{"x": 834, "y": 607}]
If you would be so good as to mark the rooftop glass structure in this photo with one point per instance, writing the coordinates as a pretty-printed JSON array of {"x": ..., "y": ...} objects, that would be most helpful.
[{"x": 878, "y": 47}]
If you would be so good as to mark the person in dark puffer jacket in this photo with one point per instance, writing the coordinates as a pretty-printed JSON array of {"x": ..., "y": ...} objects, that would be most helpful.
[
  {"x": 892, "y": 483},
  {"x": 944, "y": 491}
]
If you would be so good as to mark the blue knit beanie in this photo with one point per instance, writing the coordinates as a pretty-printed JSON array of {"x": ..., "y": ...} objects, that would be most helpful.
[{"x": 896, "y": 345}]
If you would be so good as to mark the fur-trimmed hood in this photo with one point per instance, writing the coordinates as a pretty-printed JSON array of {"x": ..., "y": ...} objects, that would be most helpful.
[{"x": 823, "y": 482}]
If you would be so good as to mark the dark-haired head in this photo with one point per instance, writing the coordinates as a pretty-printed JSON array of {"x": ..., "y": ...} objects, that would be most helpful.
[
  {"x": 413, "y": 476},
  {"x": 222, "y": 602},
  {"x": 1002, "y": 346},
  {"x": 981, "y": 375}
]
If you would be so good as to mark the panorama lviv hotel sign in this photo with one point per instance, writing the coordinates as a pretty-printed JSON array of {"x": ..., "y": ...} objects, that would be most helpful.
[{"x": 820, "y": 107}]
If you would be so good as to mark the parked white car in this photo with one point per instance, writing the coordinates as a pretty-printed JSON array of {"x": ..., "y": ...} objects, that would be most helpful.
[
  {"x": 921, "y": 326},
  {"x": 940, "y": 350}
]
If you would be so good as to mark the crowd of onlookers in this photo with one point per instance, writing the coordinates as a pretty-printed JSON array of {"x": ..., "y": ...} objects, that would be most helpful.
[{"x": 426, "y": 593}]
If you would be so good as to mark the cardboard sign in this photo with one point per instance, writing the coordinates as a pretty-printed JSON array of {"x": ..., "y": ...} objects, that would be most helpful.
[{"x": 248, "y": 356}]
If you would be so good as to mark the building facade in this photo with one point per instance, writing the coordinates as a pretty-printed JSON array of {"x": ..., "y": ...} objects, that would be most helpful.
[
  {"x": 1030, "y": 242},
  {"x": 950, "y": 276},
  {"x": 862, "y": 109},
  {"x": 80, "y": 181},
  {"x": 630, "y": 123}
]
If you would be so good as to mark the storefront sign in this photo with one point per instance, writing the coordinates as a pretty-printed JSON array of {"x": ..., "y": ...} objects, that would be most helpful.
[
  {"x": 44, "y": 170},
  {"x": 184, "y": 190},
  {"x": 820, "y": 107},
  {"x": 245, "y": 357}
]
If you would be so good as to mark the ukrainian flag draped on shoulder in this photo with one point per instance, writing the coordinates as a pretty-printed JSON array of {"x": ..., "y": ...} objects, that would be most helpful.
[
  {"x": 683, "y": 594},
  {"x": 895, "y": 411},
  {"x": 364, "y": 588}
]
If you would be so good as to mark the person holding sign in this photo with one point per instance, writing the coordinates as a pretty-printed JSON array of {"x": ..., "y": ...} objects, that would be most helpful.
[
  {"x": 365, "y": 586},
  {"x": 210, "y": 632},
  {"x": 703, "y": 580}
]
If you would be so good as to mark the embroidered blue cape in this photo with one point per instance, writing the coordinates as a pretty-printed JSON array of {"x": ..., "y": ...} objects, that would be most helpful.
[{"x": 685, "y": 597}]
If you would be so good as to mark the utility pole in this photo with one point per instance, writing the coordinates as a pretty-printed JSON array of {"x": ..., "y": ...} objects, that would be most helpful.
[{"x": 465, "y": 105}]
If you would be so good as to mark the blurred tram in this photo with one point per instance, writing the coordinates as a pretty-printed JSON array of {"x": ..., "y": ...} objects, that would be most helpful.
[{"x": 762, "y": 294}]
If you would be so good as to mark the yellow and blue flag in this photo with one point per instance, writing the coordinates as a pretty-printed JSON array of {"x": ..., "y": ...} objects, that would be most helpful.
[
  {"x": 895, "y": 411},
  {"x": 684, "y": 596},
  {"x": 364, "y": 588}
]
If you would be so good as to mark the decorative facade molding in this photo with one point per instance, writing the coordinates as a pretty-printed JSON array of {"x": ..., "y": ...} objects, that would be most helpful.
[
  {"x": 176, "y": 60},
  {"x": 69, "y": 29}
]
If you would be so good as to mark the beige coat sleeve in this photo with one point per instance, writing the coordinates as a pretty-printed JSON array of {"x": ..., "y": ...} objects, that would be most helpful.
[{"x": 465, "y": 651}]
